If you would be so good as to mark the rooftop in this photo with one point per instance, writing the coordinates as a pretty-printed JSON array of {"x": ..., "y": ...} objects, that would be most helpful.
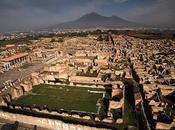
[{"x": 16, "y": 56}]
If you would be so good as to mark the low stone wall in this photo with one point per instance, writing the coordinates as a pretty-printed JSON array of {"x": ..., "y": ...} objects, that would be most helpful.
[
  {"x": 44, "y": 122},
  {"x": 17, "y": 89},
  {"x": 77, "y": 85}
]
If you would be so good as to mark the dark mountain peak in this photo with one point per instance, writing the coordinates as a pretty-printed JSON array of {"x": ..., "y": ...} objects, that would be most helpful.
[
  {"x": 113, "y": 16},
  {"x": 93, "y": 20},
  {"x": 97, "y": 17},
  {"x": 92, "y": 15}
]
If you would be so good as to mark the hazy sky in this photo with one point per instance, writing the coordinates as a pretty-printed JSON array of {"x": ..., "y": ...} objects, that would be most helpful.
[{"x": 30, "y": 14}]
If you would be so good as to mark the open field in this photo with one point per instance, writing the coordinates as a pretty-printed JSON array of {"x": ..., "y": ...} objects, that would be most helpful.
[
  {"x": 25, "y": 66},
  {"x": 150, "y": 36},
  {"x": 61, "y": 97}
]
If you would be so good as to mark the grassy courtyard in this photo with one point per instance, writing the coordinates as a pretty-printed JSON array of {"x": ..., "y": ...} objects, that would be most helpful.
[
  {"x": 25, "y": 66},
  {"x": 61, "y": 97}
]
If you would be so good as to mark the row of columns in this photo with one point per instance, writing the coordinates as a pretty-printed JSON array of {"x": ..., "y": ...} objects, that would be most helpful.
[{"x": 18, "y": 61}]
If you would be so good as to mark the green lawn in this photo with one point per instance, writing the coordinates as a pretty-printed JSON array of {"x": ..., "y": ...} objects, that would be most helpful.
[
  {"x": 129, "y": 102},
  {"x": 62, "y": 97},
  {"x": 25, "y": 66}
]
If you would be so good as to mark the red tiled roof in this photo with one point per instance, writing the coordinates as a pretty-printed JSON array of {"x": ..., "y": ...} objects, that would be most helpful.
[{"x": 16, "y": 56}]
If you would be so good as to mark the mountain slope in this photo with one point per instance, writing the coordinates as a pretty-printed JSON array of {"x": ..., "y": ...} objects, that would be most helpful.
[{"x": 94, "y": 20}]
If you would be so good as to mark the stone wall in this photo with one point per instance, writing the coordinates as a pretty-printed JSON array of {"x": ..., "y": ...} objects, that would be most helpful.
[
  {"x": 15, "y": 91},
  {"x": 44, "y": 122}
]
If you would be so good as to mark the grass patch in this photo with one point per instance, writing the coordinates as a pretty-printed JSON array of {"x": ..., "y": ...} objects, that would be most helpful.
[
  {"x": 16, "y": 41},
  {"x": 129, "y": 103},
  {"x": 25, "y": 66},
  {"x": 61, "y": 97},
  {"x": 154, "y": 36}
]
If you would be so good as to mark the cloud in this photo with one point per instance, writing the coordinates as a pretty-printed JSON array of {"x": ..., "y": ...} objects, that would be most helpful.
[
  {"x": 33, "y": 13},
  {"x": 88, "y": 7},
  {"x": 22, "y": 14},
  {"x": 120, "y": 1},
  {"x": 160, "y": 13}
]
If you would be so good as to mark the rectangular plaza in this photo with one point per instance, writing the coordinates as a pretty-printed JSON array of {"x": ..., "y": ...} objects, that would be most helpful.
[{"x": 62, "y": 97}]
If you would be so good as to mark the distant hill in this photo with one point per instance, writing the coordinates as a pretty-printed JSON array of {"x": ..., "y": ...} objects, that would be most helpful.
[{"x": 94, "y": 20}]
